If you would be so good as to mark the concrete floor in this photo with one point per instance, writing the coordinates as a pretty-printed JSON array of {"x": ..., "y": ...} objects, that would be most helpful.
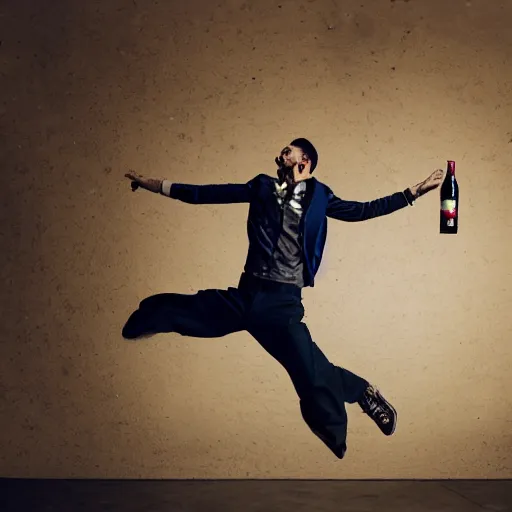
[{"x": 255, "y": 495}]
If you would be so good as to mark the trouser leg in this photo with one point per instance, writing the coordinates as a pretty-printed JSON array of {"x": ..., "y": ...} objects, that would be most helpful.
[
  {"x": 205, "y": 314},
  {"x": 322, "y": 387}
]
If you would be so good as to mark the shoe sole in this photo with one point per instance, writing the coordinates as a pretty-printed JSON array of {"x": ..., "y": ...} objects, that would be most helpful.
[{"x": 395, "y": 414}]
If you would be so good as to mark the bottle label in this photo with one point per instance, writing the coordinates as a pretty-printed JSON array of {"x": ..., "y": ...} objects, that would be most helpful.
[{"x": 449, "y": 208}]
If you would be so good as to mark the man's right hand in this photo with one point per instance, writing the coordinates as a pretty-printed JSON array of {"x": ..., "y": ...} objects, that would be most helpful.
[{"x": 151, "y": 184}]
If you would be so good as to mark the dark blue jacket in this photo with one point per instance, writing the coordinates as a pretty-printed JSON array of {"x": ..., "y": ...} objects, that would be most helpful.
[{"x": 263, "y": 223}]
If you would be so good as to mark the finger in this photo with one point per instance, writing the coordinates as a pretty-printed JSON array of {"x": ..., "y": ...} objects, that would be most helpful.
[{"x": 437, "y": 175}]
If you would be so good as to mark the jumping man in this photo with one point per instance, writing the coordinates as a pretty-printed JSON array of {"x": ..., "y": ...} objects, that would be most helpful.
[{"x": 287, "y": 228}]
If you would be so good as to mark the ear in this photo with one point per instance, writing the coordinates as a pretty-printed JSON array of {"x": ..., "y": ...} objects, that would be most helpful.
[{"x": 305, "y": 163}]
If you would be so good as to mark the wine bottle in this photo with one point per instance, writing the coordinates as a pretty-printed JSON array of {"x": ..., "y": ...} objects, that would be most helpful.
[{"x": 449, "y": 218}]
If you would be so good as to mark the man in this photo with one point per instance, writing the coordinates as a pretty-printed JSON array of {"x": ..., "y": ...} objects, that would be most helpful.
[{"x": 287, "y": 227}]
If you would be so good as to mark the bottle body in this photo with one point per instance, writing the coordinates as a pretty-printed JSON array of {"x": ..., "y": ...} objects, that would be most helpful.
[{"x": 449, "y": 215}]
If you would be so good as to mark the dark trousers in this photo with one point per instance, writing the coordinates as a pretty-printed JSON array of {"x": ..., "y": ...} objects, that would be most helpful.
[{"x": 272, "y": 313}]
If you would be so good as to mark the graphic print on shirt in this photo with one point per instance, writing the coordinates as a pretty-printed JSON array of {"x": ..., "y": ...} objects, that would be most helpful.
[{"x": 297, "y": 195}]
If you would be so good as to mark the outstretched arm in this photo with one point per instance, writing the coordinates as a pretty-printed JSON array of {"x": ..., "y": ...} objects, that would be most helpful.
[
  {"x": 194, "y": 194},
  {"x": 354, "y": 211}
]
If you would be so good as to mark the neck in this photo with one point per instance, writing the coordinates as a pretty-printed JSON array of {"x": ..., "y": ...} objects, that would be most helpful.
[{"x": 291, "y": 178}]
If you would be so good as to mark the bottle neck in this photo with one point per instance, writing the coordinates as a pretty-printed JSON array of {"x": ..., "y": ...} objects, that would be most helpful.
[{"x": 451, "y": 167}]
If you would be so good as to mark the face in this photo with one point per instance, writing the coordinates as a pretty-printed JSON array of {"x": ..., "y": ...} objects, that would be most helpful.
[{"x": 290, "y": 161}]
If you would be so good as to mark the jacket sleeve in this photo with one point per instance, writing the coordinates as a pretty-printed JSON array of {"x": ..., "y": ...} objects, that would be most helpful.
[
  {"x": 355, "y": 211},
  {"x": 212, "y": 194}
]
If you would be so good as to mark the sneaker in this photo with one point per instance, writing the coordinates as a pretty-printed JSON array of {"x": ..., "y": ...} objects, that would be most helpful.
[
  {"x": 136, "y": 327},
  {"x": 379, "y": 410}
]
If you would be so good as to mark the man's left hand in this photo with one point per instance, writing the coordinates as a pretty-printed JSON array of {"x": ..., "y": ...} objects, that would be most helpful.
[{"x": 432, "y": 182}]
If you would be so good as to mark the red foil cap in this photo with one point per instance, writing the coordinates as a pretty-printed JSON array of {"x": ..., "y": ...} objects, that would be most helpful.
[{"x": 451, "y": 166}]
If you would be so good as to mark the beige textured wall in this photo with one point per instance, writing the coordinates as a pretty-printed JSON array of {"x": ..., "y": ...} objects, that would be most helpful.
[{"x": 207, "y": 92}]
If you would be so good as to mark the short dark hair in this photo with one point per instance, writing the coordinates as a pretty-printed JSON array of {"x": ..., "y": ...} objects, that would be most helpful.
[{"x": 308, "y": 149}]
